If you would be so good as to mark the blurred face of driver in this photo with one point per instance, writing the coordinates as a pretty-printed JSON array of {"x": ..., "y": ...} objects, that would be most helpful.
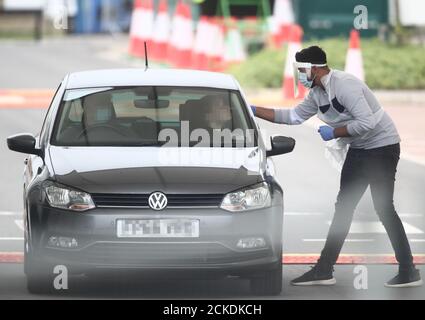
[{"x": 218, "y": 113}]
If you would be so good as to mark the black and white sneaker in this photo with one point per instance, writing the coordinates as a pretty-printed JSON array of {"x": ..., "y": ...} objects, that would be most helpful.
[
  {"x": 405, "y": 279},
  {"x": 317, "y": 276}
]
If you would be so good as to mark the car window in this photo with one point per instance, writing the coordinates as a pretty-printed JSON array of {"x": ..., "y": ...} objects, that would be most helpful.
[{"x": 137, "y": 116}]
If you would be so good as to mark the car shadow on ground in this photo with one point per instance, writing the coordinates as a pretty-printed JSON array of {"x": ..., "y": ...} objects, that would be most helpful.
[{"x": 134, "y": 286}]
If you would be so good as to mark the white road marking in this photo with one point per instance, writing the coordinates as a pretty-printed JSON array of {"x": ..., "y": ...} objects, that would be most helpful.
[
  {"x": 293, "y": 213},
  {"x": 417, "y": 240},
  {"x": 307, "y": 213},
  {"x": 11, "y": 238},
  {"x": 9, "y": 213},
  {"x": 346, "y": 240},
  {"x": 377, "y": 227},
  {"x": 20, "y": 224}
]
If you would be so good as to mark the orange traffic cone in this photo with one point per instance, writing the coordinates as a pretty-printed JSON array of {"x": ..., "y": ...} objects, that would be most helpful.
[
  {"x": 234, "y": 51},
  {"x": 181, "y": 42},
  {"x": 281, "y": 22},
  {"x": 161, "y": 33},
  {"x": 354, "y": 60},
  {"x": 200, "y": 48},
  {"x": 141, "y": 27},
  {"x": 294, "y": 45}
]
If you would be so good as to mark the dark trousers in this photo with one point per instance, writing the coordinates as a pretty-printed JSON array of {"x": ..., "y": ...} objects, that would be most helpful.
[{"x": 362, "y": 168}]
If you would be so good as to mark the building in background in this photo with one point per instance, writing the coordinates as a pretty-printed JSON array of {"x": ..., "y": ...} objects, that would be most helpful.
[{"x": 329, "y": 18}]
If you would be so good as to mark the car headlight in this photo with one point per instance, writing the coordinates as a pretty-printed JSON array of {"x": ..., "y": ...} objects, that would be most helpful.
[
  {"x": 65, "y": 198},
  {"x": 250, "y": 198}
]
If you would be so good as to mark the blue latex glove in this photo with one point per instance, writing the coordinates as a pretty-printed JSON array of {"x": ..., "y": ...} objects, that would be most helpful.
[
  {"x": 326, "y": 132},
  {"x": 254, "y": 109}
]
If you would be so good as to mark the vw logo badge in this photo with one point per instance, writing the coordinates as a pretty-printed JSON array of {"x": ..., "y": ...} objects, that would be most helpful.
[{"x": 157, "y": 201}]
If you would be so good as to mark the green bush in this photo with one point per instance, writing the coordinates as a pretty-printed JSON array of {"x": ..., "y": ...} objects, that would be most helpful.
[{"x": 386, "y": 66}]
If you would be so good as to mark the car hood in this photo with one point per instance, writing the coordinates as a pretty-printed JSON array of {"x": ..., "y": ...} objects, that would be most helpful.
[{"x": 147, "y": 169}]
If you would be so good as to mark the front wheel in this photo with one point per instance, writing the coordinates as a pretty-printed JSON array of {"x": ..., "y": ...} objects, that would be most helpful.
[
  {"x": 39, "y": 278},
  {"x": 269, "y": 283},
  {"x": 39, "y": 283}
]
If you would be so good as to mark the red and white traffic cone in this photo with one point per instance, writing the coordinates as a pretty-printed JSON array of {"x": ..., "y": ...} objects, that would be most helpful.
[
  {"x": 141, "y": 27},
  {"x": 182, "y": 38},
  {"x": 294, "y": 45},
  {"x": 216, "y": 48},
  {"x": 201, "y": 43},
  {"x": 135, "y": 41},
  {"x": 281, "y": 22},
  {"x": 211, "y": 33},
  {"x": 354, "y": 59},
  {"x": 234, "y": 51},
  {"x": 161, "y": 33}
]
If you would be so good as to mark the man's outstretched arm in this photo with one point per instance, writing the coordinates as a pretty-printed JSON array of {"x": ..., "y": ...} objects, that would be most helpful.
[
  {"x": 302, "y": 112},
  {"x": 264, "y": 113}
]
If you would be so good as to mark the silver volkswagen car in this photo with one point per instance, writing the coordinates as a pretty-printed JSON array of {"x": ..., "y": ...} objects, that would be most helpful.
[{"x": 159, "y": 170}]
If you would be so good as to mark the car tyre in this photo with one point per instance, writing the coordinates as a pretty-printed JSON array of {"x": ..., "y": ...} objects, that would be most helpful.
[
  {"x": 269, "y": 283},
  {"x": 39, "y": 280},
  {"x": 39, "y": 283}
]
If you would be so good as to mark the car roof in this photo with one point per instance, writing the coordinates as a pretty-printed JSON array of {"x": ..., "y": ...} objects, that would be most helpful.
[{"x": 149, "y": 77}]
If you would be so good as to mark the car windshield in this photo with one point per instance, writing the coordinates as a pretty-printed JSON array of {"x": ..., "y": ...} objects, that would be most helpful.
[{"x": 151, "y": 116}]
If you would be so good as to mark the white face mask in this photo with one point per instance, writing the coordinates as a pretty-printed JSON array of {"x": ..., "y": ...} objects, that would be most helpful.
[{"x": 303, "y": 79}]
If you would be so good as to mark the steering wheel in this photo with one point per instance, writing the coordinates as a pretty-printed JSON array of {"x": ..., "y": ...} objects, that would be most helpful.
[{"x": 100, "y": 127}]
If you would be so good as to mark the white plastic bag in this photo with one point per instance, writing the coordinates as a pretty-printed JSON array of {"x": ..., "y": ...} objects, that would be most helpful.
[{"x": 336, "y": 151}]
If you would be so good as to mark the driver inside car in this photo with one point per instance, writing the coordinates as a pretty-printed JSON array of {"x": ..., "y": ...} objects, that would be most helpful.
[
  {"x": 98, "y": 122},
  {"x": 218, "y": 113}
]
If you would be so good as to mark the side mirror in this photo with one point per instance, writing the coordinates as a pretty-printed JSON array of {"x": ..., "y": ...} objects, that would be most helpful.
[
  {"x": 23, "y": 142},
  {"x": 280, "y": 145}
]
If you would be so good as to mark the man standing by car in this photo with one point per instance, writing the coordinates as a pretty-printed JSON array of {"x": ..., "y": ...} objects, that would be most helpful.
[{"x": 353, "y": 115}]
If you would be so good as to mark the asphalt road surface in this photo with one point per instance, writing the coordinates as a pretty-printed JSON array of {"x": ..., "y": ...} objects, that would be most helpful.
[{"x": 310, "y": 184}]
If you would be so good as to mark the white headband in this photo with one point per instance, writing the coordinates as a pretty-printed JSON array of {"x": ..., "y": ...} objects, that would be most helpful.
[{"x": 308, "y": 65}]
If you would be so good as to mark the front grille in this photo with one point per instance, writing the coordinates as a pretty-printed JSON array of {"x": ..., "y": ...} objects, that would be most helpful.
[
  {"x": 133, "y": 254},
  {"x": 141, "y": 200}
]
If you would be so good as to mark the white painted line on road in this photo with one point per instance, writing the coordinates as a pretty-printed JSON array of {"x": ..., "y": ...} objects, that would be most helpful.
[
  {"x": 417, "y": 240},
  {"x": 346, "y": 240},
  {"x": 313, "y": 213},
  {"x": 20, "y": 224},
  {"x": 11, "y": 238},
  {"x": 377, "y": 227},
  {"x": 293, "y": 213},
  {"x": 9, "y": 213}
]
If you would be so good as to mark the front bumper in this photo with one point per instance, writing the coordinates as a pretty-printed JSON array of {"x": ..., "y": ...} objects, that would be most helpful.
[{"x": 214, "y": 249}]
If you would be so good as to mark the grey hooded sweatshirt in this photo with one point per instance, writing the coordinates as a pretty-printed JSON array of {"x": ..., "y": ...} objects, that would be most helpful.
[{"x": 347, "y": 101}]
